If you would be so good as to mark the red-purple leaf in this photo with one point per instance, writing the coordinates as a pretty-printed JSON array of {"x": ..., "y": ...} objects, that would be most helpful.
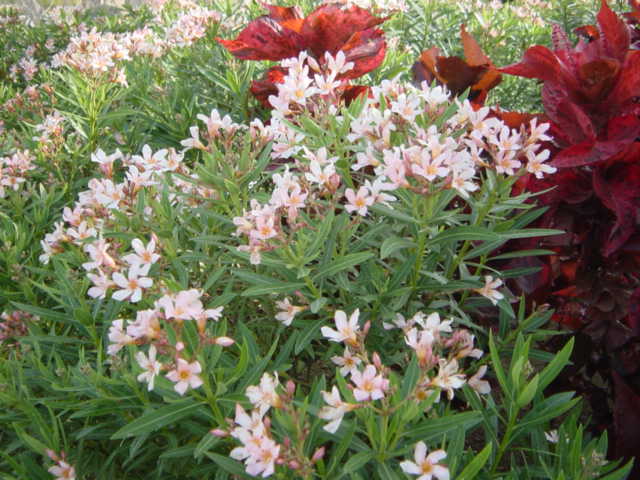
[
  {"x": 329, "y": 27},
  {"x": 628, "y": 85},
  {"x": 262, "y": 89},
  {"x": 265, "y": 39},
  {"x": 614, "y": 32},
  {"x": 538, "y": 62},
  {"x": 366, "y": 50}
]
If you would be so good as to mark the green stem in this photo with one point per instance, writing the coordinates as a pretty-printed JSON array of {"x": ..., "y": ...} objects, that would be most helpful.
[{"x": 506, "y": 439}]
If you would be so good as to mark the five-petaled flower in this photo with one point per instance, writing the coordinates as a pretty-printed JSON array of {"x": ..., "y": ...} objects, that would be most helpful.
[
  {"x": 347, "y": 331},
  {"x": 185, "y": 375},
  {"x": 426, "y": 466}
]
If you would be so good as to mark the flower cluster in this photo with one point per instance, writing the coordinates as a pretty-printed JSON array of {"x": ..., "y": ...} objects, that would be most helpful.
[
  {"x": 96, "y": 53},
  {"x": 259, "y": 449},
  {"x": 428, "y": 159},
  {"x": 435, "y": 343},
  {"x": 14, "y": 170},
  {"x": 14, "y": 325},
  {"x": 149, "y": 329},
  {"x": 49, "y": 132},
  {"x": 97, "y": 210}
]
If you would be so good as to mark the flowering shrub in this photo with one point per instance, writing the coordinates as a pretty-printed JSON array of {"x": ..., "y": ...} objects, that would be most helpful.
[{"x": 319, "y": 293}]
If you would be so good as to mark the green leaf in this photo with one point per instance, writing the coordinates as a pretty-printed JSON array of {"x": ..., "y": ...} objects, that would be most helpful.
[
  {"x": 436, "y": 428},
  {"x": 357, "y": 461},
  {"x": 464, "y": 233},
  {"x": 475, "y": 465},
  {"x": 342, "y": 263},
  {"x": 560, "y": 360},
  {"x": 496, "y": 363},
  {"x": 307, "y": 336},
  {"x": 274, "y": 288},
  {"x": 158, "y": 418},
  {"x": 528, "y": 392},
  {"x": 229, "y": 465},
  {"x": 393, "y": 244}
]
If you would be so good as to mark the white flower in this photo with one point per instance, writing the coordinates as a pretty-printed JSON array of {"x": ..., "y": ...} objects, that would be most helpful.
[
  {"x": 475, "y": 382},
  {"x": 264, "y": 396},
  {"x": 186, "y": 305},
  {"x": 117, "y": 337},
  {"x": 63, "y": 471},
  {"x": 552, "y": 436},
  {"x": 132, "y": 285},
  {"x": 448, "y": 377},
  {"x": 287, "y": 311},
  {"x": 185, "y": 375},
  {"x": 490, "y": 289},
  {"x": 144, "y": 255},
  {"x": 335, "y": 410},
  {"x": 369, "y": 386},
  {"x": 426, "y": 466},
  {"x": 358, "y": 202},
  {"x": 348, "y": 362},
  {"x": 346, "y": 330},
  {"x": 150, "y": 365}
]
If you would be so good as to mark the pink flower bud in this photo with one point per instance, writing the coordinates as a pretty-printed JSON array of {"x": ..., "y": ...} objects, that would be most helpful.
[
  {"x": 179, "y": 347},
  {"x": 218, "y": 432},
  {"x": 294, "y": 465},
  {"x": 376, "y": 360},
  {"x": 224, "y": 341},
  {"x": 286, "y": 442},
  {"x": 318, "y": 454},
  {"x": 291, "y": 387},
  {"x": 366, "y": 328},
  {"x": 52, "y": 455}
]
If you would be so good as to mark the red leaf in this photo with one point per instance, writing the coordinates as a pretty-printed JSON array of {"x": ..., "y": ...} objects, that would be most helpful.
[
  {"x": 456, "y": 74},
  {"x": 588, "y": 32},
  {"x": 262, "y": 89},
  {"x": 265, "y": 39},
  {"x": 351, "y": 92},
  {"x": 538, "y": 62},
  {"x": 473, "y": 54},
  {"x": 628, "y": 85},
  {"x": 280, "y": 14},
  {"x": 574, "y": 122},
  {"x": 622, "y": 202},
  {"x": 626, "y": 420},
  {"x": 329, "y": 27},
  {"x": 597, "y": 78},
  {"x": 424, "y": 70},
  {"x": 366, "y": 50},
  {"x": 614, "y": 32}
]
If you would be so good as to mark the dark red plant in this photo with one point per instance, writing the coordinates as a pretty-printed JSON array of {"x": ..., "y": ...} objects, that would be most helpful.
[
  {"x": 591, "y": 95},
  {"x": 476, "y": 72},
  {"x": 284, "y": 33}
]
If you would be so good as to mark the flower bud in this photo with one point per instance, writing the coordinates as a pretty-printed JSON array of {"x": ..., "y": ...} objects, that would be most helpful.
[
  {"x": 317, "y": 455},
  {"x": 291, "y": 388},
  {"x": 376, "y": 360},
  {"x": 218, "y": 432},
  {"x": 224, "y": 341},
  {"x": 366, "y": 328},
  {"x": 294, "y": 465}
]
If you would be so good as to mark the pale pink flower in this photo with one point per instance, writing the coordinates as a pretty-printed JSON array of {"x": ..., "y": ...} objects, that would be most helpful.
[
  {"x": 448, "y": 377},
  {"x": 101, "y": 283},
  {"x": 358, "y": 202},
  {"x": 150, "y": 366},
  {"x": 185, "y": 375},
  {"x": 186, "y": 305},
  {"x": 335, "y": 410},
  {"x": 348, "y": 363},
  {"x": 63, "y": 471},
  {"x": 117, "y": 337},
  {"x": 369, "y": 385},
  {"x": 422, "y": 344},
  {"x": 144, "y": 255},
  {"x": 347, "y": 331},
  {"x": 264, "y": 395},
  {"x": 490, "y": 289},
  {"x": 476, "y": 382},
  {"x": 132, "y": 285},
  {"x": 426, "y": 466},
  {"x": 287, "y": 311},
  {"x": 536, "y": 166}
]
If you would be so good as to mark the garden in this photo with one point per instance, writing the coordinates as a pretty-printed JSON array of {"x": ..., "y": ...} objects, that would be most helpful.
[{"x": 348, "y": 239}]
